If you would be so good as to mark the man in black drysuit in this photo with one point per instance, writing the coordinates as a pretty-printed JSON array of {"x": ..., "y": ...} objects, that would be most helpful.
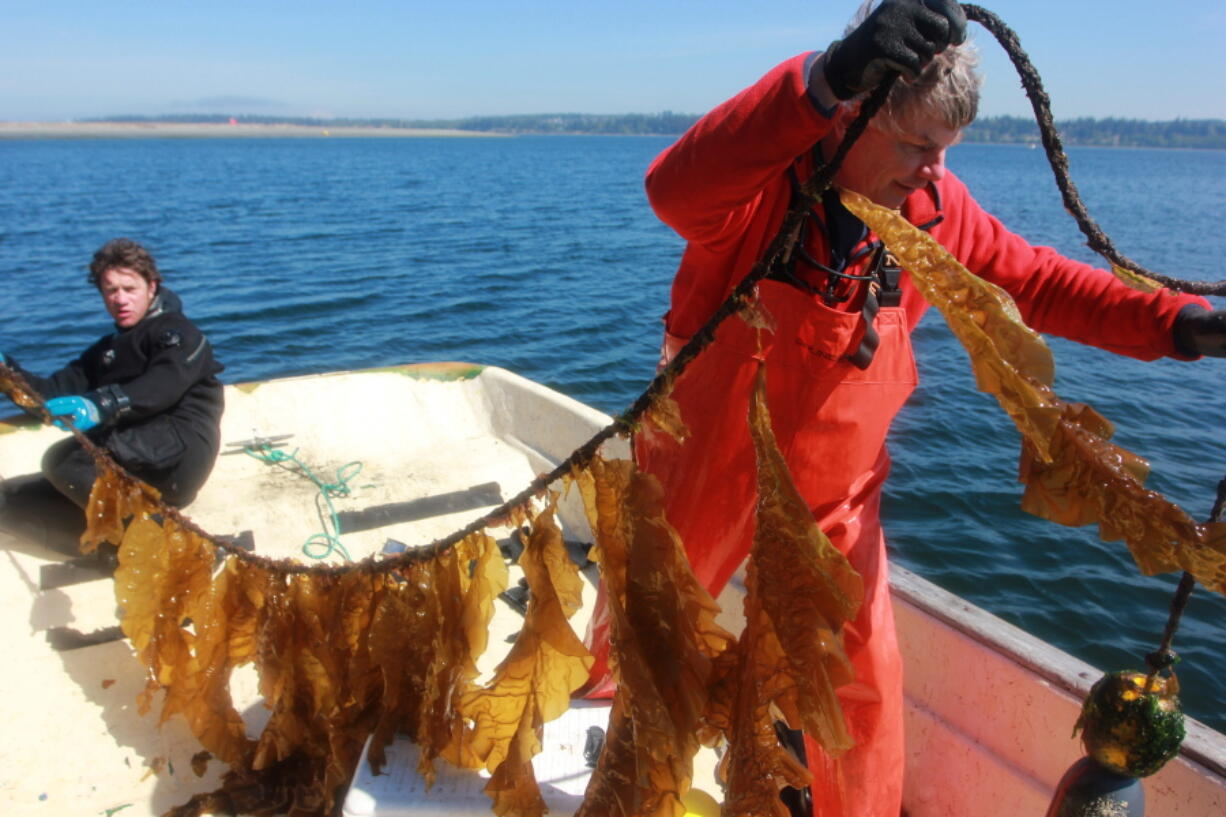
[{"x": 148, "y": 393}]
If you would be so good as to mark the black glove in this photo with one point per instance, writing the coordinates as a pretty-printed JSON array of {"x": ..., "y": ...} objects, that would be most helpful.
[
  {"x": 1201, "y": 332},
  {"x": 900, "y": 35}
]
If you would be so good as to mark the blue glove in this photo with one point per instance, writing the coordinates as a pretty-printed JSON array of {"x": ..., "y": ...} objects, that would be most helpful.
[
  {"x": 3, "y": 359},
  {"x": 83, "y": 412}
]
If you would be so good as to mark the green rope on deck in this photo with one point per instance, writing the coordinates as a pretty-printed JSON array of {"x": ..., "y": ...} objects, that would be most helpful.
[{"x": 324, "y": 544}]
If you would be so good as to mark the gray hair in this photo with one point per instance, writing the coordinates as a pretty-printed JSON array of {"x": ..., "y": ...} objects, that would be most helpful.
[{"x": 948, "y": 86}]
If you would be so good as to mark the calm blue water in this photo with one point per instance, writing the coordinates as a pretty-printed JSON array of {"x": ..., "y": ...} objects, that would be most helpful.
[{"x": 541, "y": 255}]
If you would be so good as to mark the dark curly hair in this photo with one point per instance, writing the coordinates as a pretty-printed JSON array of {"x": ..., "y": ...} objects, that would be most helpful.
[{"x": 124, "y": 252}]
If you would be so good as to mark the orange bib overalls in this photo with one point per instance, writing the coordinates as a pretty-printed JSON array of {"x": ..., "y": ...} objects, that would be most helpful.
[{"x": 830, "y": 419}]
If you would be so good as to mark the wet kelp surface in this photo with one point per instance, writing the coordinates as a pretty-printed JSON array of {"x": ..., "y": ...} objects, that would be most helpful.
[
  {"x": 1073, "y": 473},
  {"x": 388, "y": 647}
]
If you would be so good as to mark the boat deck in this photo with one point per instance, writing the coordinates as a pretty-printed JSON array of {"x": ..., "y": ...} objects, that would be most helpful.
[{"x": 437, "y": 447}]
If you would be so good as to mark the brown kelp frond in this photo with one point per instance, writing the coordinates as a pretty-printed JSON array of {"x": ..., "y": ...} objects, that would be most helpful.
[{"x": 1073, "y": 474}]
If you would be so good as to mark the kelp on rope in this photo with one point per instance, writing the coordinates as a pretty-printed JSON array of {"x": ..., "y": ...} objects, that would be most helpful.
[{"x": 330, "y": 639}]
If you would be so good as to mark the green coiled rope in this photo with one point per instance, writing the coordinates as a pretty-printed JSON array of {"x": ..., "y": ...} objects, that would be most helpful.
[{"x": 324, "y": 544}]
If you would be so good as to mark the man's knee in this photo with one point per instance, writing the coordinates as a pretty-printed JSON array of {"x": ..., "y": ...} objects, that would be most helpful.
[
  {"x": 37, "y": 515},
  {"x": 68, "y": 467}
]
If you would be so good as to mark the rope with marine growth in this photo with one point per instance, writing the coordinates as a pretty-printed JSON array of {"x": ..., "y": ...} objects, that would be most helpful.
[
  {"x": 1164, "y": 656},
  {"x": 739, "y": 298},
  {"x": 1096, "y": 239}
]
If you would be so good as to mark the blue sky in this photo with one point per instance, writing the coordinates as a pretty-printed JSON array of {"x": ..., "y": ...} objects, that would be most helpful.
[{"x": 66, "y": 59}]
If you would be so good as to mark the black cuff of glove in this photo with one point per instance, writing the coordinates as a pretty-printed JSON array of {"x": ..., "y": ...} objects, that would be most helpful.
[
  {"x": 111, "y": 401},
  {"x": 1182, "y": 330},
  {"x": 840, "y": 89},
  {"x": 816, "y": 86},
  {"x": 1199, "y": 331}
]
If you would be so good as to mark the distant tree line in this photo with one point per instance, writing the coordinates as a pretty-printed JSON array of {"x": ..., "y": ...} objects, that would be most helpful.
[{"x": 1111, "y": 132}]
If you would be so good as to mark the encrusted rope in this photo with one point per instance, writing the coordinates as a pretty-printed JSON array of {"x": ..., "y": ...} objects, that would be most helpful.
[
  {"x": 1164, "y": 656},
  {"x": 1096, "y": 239},
  {"x": 740, "y": 297}
]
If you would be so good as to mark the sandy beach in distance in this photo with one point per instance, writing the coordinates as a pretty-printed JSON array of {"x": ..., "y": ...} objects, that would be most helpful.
[{"x": 192, "y": 130}]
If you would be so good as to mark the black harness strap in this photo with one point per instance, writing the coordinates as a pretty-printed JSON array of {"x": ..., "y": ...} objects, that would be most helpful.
[{"x": 848, "y": 247}]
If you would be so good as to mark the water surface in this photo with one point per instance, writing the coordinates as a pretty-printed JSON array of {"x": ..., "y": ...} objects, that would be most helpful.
[{"x": 540, "y": 254}]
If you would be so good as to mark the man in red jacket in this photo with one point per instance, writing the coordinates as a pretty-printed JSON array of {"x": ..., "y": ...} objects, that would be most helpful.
[{"x": 839, "y": 360}]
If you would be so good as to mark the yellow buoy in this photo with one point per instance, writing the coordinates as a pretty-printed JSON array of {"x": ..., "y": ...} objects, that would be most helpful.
[{"x": 699, "y": 804}]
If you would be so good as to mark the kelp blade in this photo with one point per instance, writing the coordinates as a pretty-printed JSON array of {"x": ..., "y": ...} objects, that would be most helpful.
[
  {"x": 1074, "y": 476},
  {"x": 663, "y": 637}
]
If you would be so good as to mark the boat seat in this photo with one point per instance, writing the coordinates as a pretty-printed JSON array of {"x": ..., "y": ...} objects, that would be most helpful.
[{"x": 379, "y": 516}]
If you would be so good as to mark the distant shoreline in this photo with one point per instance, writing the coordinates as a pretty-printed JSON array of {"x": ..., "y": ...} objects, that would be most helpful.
[
  {"x": 208, "y": 130},
  {"x": 993, "y": 130}
]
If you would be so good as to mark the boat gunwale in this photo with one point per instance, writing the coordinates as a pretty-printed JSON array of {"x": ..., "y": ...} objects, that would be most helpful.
[{"x": 1203, "y": 746}]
